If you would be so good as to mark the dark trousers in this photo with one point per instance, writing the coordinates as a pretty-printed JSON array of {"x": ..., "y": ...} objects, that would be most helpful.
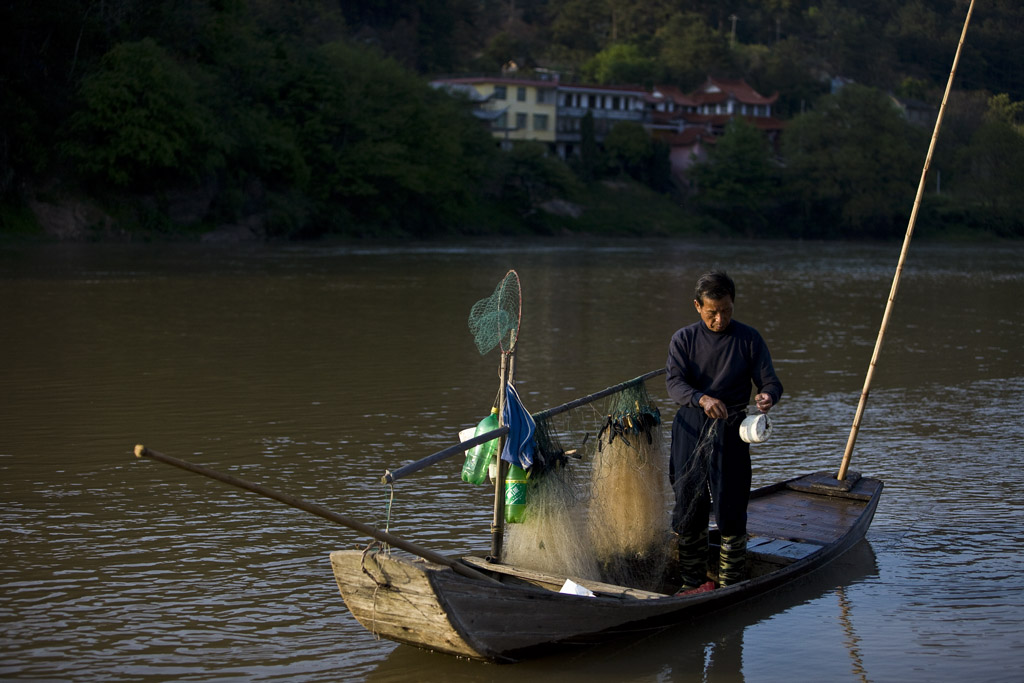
[{"x": 717, "y": 481}]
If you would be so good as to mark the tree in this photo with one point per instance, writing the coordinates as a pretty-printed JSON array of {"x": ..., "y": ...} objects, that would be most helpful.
[
  {"x": 994, "y": 161},
  {"x": 141, "y": 121},
  {"x": 852, "y": 164},
  {"x": 589, "y": 164},
  {"x": 689, "y": 49},
  {"x": 843, "y": 35},
  {"x": 575, "y": 27},
  {"x": 629, "y": 150},
  {"x": 381, "y": 144},
  {"x": 738, "y": 182},
  {"x": 618, "y": 64},
  {"x": 788, "y": 68},
  {"x": 527, "y": 177}
]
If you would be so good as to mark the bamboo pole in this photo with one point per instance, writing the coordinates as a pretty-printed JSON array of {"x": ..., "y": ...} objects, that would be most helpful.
[
  {"x": 382, "y": 536},
  {"x": 390, "y": 477},
  {"x": 558, "y": 410},
  {"x": 903, "y": 256},
  {"x": 498, "y": 519}
]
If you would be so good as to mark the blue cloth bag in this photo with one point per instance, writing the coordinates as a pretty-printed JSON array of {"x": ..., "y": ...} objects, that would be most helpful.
[{"x": 521, "y": 428}]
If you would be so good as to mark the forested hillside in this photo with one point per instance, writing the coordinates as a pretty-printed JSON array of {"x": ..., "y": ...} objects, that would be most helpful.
[{"x": 265, "y": 119}]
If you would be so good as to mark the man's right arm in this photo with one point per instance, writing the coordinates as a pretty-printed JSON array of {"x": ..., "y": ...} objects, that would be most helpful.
[{"x": 679, "y": 390}]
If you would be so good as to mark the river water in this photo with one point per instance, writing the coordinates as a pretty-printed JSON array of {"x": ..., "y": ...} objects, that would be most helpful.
[{"x": 312, "y": 369}]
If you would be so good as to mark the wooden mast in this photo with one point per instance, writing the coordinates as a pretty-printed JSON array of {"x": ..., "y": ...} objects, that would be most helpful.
[
  {"x": 498, "y": 520},
  {"x": 903, "y": 255}
]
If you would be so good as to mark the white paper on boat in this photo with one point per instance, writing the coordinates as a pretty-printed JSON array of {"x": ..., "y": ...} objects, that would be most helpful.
[{"x": 573, "y": 588}]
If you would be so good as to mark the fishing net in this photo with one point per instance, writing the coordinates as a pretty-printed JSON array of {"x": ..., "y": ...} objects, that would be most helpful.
[
  {"x": 628, "y": 519},
  {"x": 597, "y": 503},
  {"x": 550, "y": 537},
  {"x": 495, "y": 320}
]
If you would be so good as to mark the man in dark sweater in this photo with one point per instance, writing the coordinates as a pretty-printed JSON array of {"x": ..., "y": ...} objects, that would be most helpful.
[{"x": 711, "y": 367}]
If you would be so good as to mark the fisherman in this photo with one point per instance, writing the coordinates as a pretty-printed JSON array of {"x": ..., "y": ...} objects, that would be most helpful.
[{"x": 711, "y": 367}]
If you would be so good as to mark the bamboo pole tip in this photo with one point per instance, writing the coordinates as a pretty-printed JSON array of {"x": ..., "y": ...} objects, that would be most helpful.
[{"x": 140, "y": 450}]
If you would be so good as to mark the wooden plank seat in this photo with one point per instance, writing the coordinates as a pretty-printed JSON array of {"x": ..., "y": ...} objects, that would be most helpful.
[{"x": 552, "y": 582}]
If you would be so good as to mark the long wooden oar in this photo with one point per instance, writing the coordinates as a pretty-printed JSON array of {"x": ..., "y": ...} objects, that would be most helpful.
[
  {"x": 903, "y": 256},
  {"x": 383, "y": 536}
]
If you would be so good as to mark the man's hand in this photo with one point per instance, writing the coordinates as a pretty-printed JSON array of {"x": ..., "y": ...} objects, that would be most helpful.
[
  {"x": 713, "y": 408},
  {"x": 763, "y": 402}
]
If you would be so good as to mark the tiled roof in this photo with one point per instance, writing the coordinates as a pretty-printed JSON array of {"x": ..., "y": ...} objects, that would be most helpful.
[
  {"x": 719, "y": 90},
  {"x": 670, "y": 92},
  {"x": 586, "y": 87},
  {"x": 499, "y": 80}
]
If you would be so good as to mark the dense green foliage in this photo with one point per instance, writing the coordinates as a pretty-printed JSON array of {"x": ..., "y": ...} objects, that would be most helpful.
[
  {"x": 140, "y": 121},
  {"x": 853, "y": 164},
  {"x": 314, "y": 117},
  {"x": 738, "y": 183}
]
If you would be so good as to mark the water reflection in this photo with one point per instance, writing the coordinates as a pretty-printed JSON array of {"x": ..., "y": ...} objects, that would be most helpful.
[{"x": 852, "y": 640}]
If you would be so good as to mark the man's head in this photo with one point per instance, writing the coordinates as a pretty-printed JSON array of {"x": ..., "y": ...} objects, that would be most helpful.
[{"x": 713, "y": 298}]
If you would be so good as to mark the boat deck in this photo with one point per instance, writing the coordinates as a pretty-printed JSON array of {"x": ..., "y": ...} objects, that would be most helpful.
[{"x": 805, "y": 515}]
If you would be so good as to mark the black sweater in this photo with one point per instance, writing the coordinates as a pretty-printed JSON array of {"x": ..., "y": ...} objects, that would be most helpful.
[{"x": 720, "y": 364}]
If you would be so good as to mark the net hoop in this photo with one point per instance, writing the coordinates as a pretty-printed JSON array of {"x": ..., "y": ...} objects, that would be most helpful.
[
  {"x": 510, "y": 287},
  {"x": 494, "y": 321}
]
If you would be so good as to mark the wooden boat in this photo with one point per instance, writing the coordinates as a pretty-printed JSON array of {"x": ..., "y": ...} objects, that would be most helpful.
[{"x": 795, "y": 527}]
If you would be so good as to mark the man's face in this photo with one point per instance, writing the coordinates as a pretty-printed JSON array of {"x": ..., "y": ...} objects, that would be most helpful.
[{"x": 716, "y": 313}]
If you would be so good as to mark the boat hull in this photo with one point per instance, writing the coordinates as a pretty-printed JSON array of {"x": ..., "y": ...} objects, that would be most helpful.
[{"x": 795, "y": 527}]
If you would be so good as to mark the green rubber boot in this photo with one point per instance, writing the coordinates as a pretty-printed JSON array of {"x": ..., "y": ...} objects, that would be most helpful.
[
  {"x": 732, "y": 560},
  {"x": 693, "y": 559}
]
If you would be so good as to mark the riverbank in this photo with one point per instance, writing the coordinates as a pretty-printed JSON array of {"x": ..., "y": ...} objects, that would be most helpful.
[{"x": 610, "y": 208}]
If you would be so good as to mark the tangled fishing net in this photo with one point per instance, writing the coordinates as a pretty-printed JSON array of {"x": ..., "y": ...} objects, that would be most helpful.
[{"x": 598, "y": 499}]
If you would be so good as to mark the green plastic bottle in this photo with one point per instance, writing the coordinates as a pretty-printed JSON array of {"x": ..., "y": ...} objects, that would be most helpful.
[
  {"x": 474, "y": 470},
  {"x": 515, "y": 494}
]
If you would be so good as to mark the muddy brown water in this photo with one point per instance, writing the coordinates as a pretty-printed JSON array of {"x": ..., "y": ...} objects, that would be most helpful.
[{"x": 312, "y": 369}]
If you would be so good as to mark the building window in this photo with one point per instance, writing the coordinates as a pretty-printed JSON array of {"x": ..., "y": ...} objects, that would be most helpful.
[
  {"x": 501, "y": 122},
  {"x": 499, "y": 92},
  {"x": 545, "y": 96},
  {"x": 521, "y": 94},
  {"x": 520, "y": 121},
  {"x": 540, "y": 121}
]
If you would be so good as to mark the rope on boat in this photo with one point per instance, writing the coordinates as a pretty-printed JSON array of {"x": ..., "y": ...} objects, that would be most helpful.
[{"x": 377, "y": 586}]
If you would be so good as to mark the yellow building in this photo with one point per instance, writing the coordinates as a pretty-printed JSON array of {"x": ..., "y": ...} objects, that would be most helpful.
[{"x": 517, "y": 109}]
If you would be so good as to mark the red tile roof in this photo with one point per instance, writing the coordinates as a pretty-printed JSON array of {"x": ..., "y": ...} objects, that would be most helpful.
[
  {"x": 670, "y": 92},
  {"x": 720, "y": 89}
]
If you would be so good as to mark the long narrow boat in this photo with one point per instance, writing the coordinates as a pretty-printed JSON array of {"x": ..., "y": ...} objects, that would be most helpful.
[{"x": 795, "y": 527}]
